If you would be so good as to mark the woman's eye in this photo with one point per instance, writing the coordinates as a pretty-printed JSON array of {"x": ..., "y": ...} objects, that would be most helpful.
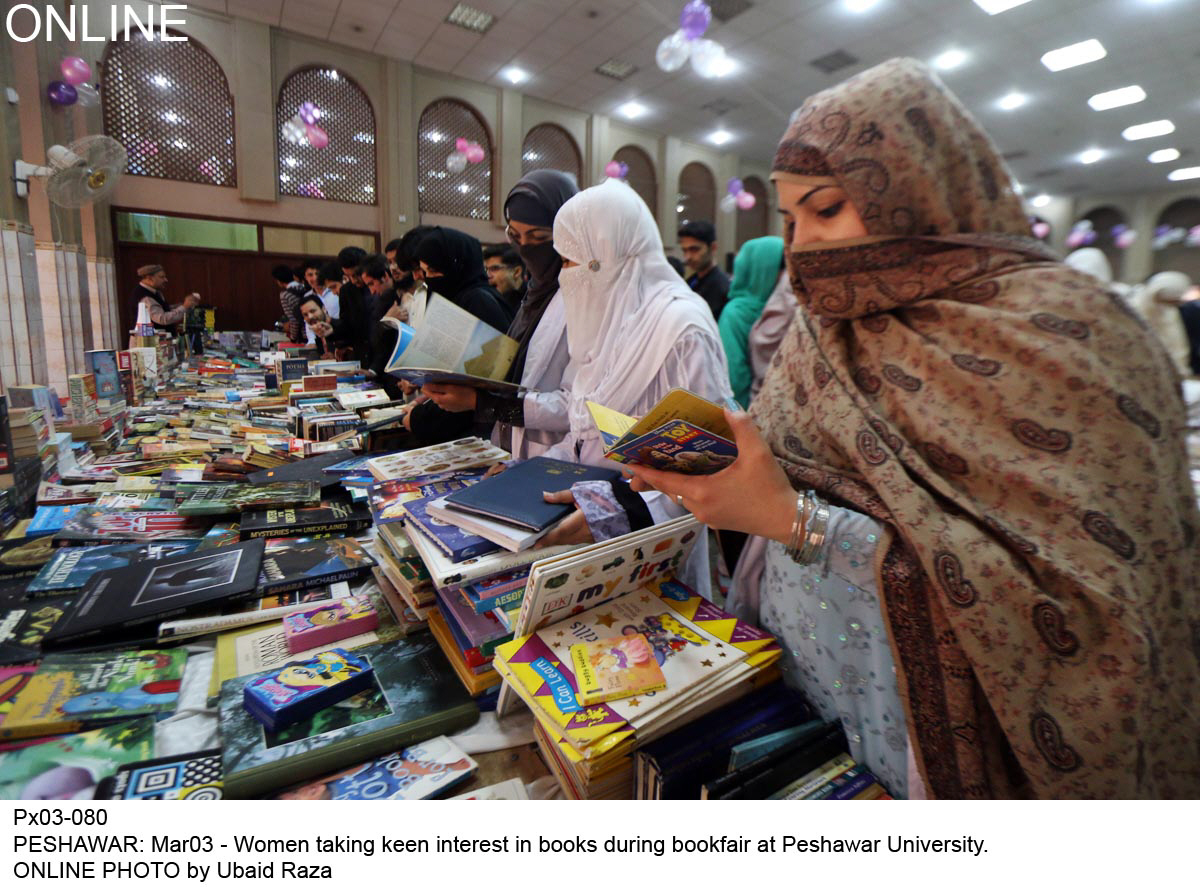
[{"x": 832, "y": 210}]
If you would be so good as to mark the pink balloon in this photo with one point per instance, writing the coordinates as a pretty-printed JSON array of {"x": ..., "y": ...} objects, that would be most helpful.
[
  {"x": 1126, "y": 238},
  {"x": 612, "y": 170},
  {"x": 475, "y": 153},
  {"x": 1041, "y": 229},
  {"x": 317, "y": 137},
  {"x": 75, "y": 70},
  {"x": 745, "y": 200},
  {"x": 461, "y": 144}
]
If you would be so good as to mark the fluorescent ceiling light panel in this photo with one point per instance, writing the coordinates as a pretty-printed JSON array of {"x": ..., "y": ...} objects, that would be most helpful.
[
  {"x": 515, "y": 75},
  {"x": 1091, "y": 156},
  {"x": 1075, "y": 54},
  {"x": 1012, "y": 101},
  {"x": 1184, "y": 173},
  {"x": 1163, "y": 155},
  {"x": 995, "y": 7},
  {"x": 1040, "y": 200},
  {"x": 632, "y": 110},
  {"x": 719, "y": 137},
  {"x": 860, "y": 6},
  {"x": 1148, "y": 130},
  {"x": 949, "y": 60},
  {"x": 1117, "y": 98},
  {"x": 470, "y": 18}
]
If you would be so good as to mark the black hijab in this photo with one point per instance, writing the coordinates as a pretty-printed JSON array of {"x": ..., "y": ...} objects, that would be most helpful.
[
  {"x": 463, "y": 279},
  {"x": 535, "y": 200}
]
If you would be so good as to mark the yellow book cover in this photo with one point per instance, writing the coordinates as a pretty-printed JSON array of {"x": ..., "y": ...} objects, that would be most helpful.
[{"x": 616, "y": 667}]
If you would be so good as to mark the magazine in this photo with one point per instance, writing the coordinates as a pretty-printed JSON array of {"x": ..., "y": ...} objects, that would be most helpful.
[{"x": 452, "y": 346}]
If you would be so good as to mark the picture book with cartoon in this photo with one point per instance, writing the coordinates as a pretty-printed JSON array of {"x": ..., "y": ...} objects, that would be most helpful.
[{"x": 683, "y": 433}]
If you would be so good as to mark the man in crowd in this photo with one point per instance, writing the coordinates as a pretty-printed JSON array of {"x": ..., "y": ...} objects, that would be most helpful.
[
  {"x": 151, "y": 280},
  {"x": 698, "y": 244},
  {"x": 319, "y": 324},
  {"x": 356, "y": 302},
  {"x": 506, "y": 273},
  {"x": 290, "y": 292}
]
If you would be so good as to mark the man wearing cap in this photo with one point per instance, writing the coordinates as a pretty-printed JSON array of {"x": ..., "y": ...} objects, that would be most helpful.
[{"x": 149, "y": 294}]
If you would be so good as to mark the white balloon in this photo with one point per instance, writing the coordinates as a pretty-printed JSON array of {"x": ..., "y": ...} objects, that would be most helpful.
[
  {"x": 293, "y": 132},
  {"x": 673, "y": 52},
  {"x": 708, "y": 57},
  {"x": 456, "y": 162},
  {"x": 728, "y": 204},
  {"x": 88, "y": 95}
]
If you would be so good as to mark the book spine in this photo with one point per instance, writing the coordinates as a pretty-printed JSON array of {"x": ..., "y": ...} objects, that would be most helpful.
[
  {"x": 487, "y": 604},
  {"x": 819, "y": 777},
  {"x": 270, "y": 588},
  {"x": 301, "y": 531}
]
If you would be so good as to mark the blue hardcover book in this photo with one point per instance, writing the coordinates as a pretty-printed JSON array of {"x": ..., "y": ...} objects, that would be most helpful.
[
  {"x": 748, "y": 752},
  {"x": 450, "y": 539},
  {"x": 515, "y": 496},
  {"x": 103, "y": 365},
  {"x": 48, "y": 520},
  {"x": 505, "y": 589},
  {"x": 301, "y": 688}
]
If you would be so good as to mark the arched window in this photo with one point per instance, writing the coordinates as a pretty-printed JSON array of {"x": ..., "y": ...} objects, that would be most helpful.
[
  {"x": 168, "y": 103},
  {"x": 343, "y": 170},
  {"x": 440, "y": 190},
  {"x": 755, "y": 222},
  {"x": 697, "y": 198},
  {"x": 550, "y": 147},
  {"x": 1176, "y": 238},
  {"x": 1104, "y": 220},
  {"x": 641, "y": 176}
]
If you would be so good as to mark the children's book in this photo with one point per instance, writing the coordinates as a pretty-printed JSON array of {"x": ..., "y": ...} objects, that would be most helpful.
[
  {"x": 103, "y": 365},
  {"x": 461, "y": 454},
  {"x": 510, "y": 789},
  {"x": 683, "y": 433},
  {"x": 415, "y": 696},
  {"x": 301, "y": 688},
  {"x": 452, "y": 346},
  {"x": 72, "y": 690},
  {"x": 616, "y": 667},
  {"x": 182, "y": 777},
  {"x": 330, "y": 623},
  {"x": 419, "y": 772},
  {"x": 12, "y": 681},
  {"x": 71, "y": 766},
  {"x": 72, "y": 567},
  {"x": 299, "y": 563},
  {"x": 258, "y": 611},
  {"x": 455, "y": 543},
  {"x": 121, "y": 601},
  {"x": 502, "y": 590}
]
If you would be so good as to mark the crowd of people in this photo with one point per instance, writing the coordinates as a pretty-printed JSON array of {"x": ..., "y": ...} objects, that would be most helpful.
[{"x": 962, "y": 472}]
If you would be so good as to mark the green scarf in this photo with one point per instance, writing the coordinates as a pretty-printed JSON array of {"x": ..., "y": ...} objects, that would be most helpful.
[{"x": 755, "y": 273}]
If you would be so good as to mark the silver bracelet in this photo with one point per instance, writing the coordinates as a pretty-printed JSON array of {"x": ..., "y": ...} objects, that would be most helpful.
[
  {"x": 815, "y": 535},
  {"x": 805, "y": 502}
]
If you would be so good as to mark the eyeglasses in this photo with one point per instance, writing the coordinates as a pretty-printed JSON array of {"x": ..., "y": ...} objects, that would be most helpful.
[
  {"x": 531, "y": 237},
  {"x": 496, "y": 268}
]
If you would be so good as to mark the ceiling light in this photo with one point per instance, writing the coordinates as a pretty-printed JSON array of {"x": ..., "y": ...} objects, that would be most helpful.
[
  {"x": 1117, "y": 98},
  {"x": 1091, "y": 156},
  {"x": 1012, "y": 101},
  {"x": 1040, "y": 200},
  {"x": 515, "y": 75},
  {"x": 470, "y": 18},
  {"x": 719, "y": 136},
  {"x": 617, "y": 69},
  {"x": 859, "y": 6},
  {"x": 632, "y": 110},
  {"x": 1184, "y": 173},
  {"x": 1163, "y": 155},
  {"x": 949, "y": 60},
  {"x": 995, "y": 7},
  {"x": 1075, "y": 54},
  {"x": 1148, "y": 130}
]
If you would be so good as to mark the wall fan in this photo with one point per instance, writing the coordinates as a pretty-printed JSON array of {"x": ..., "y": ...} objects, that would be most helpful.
[{"x": 87, "y": 170}]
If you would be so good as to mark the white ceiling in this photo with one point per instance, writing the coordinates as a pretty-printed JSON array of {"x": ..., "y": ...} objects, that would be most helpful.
[{"x": 1152, "y": 43}]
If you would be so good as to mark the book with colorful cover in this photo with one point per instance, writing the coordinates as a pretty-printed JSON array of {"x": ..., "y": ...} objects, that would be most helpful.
[
  {"x": 352, "y": 467},
  {"x": 419, "y": 772},
  {"x": 302, "y": 687},
  {"x": 71, "y": 766},
  {"x": 72, "y": 567},
  {"x": 461, "y": 454},
  {"x": 695, "y": 644},
  {"x": 683, "y": 433},
  {"x": 388, "y": 498},
  {"x": 23, "y": 627},
  {"x": 502, "y": 590},
  {"x": 126, "y": 601},
  {"x": 232, "y": 497},
  {"x": 454, "y": 542},
  {"x": 330, "y": 517},
  {"x": 194, "y": 776},
  {"x": 103, "y": 365},
  {"x": 95, "y": 526},
  {"x": 416, "y": 696},
  {"x": 48, "y": 520},
  {"x": 300, "y": 563},
  {"x": 12, "y": 680},
  {"x": 259, "y": 611},
  {"x": 330, "y": 623},
  {"x": 70, "y": 691},
  {"x": 616, "y": 667}
]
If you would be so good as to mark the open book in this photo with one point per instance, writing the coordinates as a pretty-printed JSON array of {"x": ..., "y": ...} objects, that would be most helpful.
[
  {"x": 683, "y": 433},
  {"x": 451, "y": 346}
]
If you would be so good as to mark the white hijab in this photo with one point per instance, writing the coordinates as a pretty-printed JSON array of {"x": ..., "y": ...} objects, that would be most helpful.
[
  {"x": 625, "y": 306},
  {"x": 1164, "y": 318}
]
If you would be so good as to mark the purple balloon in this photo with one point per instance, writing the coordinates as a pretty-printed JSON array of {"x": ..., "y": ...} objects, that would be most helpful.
[
  {"x": 695, "y": 19},
  {"x": 309, "y": 113},
  {"x": 624, "y": 169},
  {"x": 735, "y": 186},
  {"x": 60, "y": 93}
]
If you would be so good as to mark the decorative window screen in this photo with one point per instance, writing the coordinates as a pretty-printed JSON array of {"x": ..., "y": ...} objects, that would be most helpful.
[
  {"x": 343, "y": 170},
  {"x": 169, "y": 104},
  {"x": 697, "y": 194},
  {"x": 753, "y": 223},
  {"x": 641, "y": 176},
  {"x": 550, "y": 147},
  {"x": 439, "y": 190}
]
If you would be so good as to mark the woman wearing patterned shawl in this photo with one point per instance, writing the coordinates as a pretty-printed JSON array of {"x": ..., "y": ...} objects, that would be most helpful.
[{"x": 1012, "y": 529}]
